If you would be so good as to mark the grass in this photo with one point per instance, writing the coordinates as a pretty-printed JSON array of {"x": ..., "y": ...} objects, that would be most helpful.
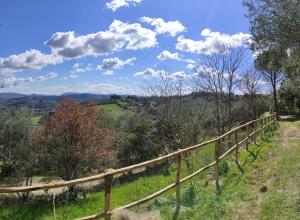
[
  {"x": 240, "y": 197},
  {"x": 115, "y": 110},
  {"x": 36, "y": 119}
]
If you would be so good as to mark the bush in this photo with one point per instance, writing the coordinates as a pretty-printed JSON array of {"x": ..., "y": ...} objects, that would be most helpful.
[{"x": 189, "y": 195}]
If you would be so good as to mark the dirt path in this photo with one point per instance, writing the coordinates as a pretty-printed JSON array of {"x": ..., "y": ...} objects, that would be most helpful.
[{"x": 279, "y": 176}]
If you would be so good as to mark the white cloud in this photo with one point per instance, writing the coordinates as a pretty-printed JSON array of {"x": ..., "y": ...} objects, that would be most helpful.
[
  {"x": 116, "y": 4},
  {"x": 165, "y": 55},
  {"x": 77, "y": 68},
  {"x": 119, "y": 35},
  {"x": 12, "y": 81},
  {"x": 97, "y": 88},
  {"x": 162, "y": 27},
  {"x": 179, "y": 75},
  {"x": 151, "y": 73},
  {"x": 190, "y": 66},
  {"x": 29, "y": 60},
  {"x": 110, "y": 64},
  {"x": 190, "y": 61},
  {"x": 214, "y": 42},
  {"x": 50, "y": 75},
  {"x": 67, "y": 45},
  {"x": 74, "y": 76}
]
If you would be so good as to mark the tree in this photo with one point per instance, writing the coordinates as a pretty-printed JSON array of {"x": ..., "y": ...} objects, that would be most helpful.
[
  {"x": 137, "y": 145},
  {"x": 176, "y": 123},
  {"x": 270, "y": 67},
  {"x": 250, "y": 86},
  {"x": 73, "y": 140},
  {"x": 20, "y": 158},
  {"x": 290, "y": 95},
  {"x": 276, "y": 24},
  {"x": 219, "y": 75}
]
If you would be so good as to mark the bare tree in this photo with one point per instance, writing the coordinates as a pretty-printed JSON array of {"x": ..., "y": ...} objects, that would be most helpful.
[
  {"x": 181, "y": 120},
  {"x": 218, "y": 75},
  {"x": 250, "y": 86}
]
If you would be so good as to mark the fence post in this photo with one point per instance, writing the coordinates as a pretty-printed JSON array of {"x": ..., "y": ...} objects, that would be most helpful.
[
  {"x": 178, "y": 181},
  {"x": 107, "y": 192},
  {"x": 261, "y": 126},
  {"x": 248, "y": 134},
  {"x": 254, "y": 130},
  {"x": 236, "y": 138},
  {"x": 217, "y": 147}
]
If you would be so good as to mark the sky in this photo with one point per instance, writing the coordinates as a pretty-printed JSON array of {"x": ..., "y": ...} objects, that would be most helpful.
[{"x": 110, "y": 46}]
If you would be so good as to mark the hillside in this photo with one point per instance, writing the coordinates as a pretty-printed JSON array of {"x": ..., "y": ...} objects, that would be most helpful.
[{"x": 269, "y": 184}]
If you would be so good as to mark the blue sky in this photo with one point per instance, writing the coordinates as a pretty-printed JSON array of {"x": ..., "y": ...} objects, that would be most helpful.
[{"x": 109, "y": 46}]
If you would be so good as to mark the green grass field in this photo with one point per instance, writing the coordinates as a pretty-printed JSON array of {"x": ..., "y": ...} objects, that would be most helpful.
[
  {"x": 238, "y": 199},
  {"x": 36, "y": 119},
  {"x": 115, "y": 110}
]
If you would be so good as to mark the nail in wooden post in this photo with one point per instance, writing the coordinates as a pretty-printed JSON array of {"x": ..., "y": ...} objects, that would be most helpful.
[
  {"x": 217, "y": 147},
  {"x": 107, "y": 190},
  {"x": 178, "y": 180}
]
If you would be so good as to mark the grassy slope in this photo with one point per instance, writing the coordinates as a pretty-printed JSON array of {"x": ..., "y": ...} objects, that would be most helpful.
[
  {"x": 115, "y": 110},
  {"x": 36, "y": 119},
  {"x": 269, "y": 164},
  {"x": 274, "y": 164}
]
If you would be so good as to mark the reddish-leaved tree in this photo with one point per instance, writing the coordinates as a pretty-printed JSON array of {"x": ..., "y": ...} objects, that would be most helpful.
[{"x": 73, "y": 141}]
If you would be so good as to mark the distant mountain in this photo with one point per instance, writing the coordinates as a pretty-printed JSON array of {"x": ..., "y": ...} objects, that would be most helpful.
[
  {"x": 11, "y": 95},
  {"x": 84, "y": 96},
  {"x": 77, "y": 96}
]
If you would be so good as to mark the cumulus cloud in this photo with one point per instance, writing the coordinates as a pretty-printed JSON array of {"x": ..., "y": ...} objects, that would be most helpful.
[
  {"x": 50, "y": 75},
  {"x": 214, "y": 42},
  {"x": 68, "y": 45},
  {"x": 116, "y": 4},
  {"x": 190, "y": 66},
  {"x": 119, "y": 35},
  {"x": 152, "y": 73},
  {"x": 165, "y": 55},
  {"x": 149, "y": 73},
  {"x": 12, "y": 81},
  {"x": 78, "y": 68},
  {"x": 110, "y": 64},
  {"x": 171, "y": 28},
  {"x": 29, "y": 60}
]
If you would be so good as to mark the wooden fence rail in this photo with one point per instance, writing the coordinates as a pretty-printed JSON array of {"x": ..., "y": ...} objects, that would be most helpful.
[{"x": 258, "y": 127}]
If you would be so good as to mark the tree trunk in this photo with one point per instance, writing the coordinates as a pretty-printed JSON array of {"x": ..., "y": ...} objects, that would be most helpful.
[{"x": 275, "y": 99}]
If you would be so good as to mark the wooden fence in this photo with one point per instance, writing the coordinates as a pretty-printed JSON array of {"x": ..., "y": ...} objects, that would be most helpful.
[{"x": 253, "y": 128}]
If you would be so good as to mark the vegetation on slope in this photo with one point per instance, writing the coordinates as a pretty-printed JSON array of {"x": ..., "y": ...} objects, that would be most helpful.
[{"x": 242, "y": 195}]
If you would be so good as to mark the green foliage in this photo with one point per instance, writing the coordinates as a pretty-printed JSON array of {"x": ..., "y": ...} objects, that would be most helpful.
[
  {"x": 223, "y": 167},
  {"x": 277, "y": 24},
  {"x": 17, "y": 154},
  {"x": 136, "y": 145},
  {"x": 189, "y": 195},
  {"x": 205, "y": 203}
]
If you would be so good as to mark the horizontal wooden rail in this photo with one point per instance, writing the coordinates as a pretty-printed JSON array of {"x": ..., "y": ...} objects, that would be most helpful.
[{"x": 108, "y": 176}]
